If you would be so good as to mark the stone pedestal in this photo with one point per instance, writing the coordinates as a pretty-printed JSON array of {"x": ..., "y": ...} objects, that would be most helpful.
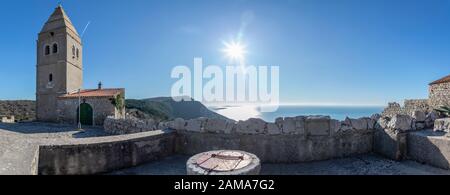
[{"x": 224, "y": 162}]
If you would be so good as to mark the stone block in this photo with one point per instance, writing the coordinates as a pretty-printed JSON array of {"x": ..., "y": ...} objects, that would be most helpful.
[
  {"x": 442, "y": 124},
  {"x": 231, "y": 127},
  {"x": 390, "y": 144},
  {"x": 177, "y": 124},
  {"x": 430, "y": 118},
  {"x": 216, "y": 126},
  {"x": 382, "y": 123},
  {"x": 318, "y": 125},
  {"x": 419, "y": 116},
  {"x": 375, "y": 117},
  {"x": 291, "y": 125},
  {"x": 358, "y": 124},
  {"x": 273, "y": 129},
  {"x": 196, "y": 125},
  {"x": 335, "y": 126},
  {"x": 345, "y": 126},
  {"x": 401, "y": 122},
  {"x": 251, "y": 126}
]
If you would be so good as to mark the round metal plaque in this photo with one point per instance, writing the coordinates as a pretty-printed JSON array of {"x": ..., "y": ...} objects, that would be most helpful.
[{"x": 223, "y": 161}]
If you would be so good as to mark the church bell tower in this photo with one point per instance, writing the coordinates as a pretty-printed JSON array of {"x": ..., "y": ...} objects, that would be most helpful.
[{"x": 59, "y": 64}]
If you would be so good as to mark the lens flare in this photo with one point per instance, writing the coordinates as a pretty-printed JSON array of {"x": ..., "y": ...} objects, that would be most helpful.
[{"x": 235, "y": 50}]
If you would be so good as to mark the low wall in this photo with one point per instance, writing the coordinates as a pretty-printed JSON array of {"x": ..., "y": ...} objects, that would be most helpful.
[
  {"x": 390, "y": 144},
  {"x": 279, "y": 148},
  {"x": 409, "y": 107},
  {"x": 288, "y": 140},
  {"x": 104, "y": 154},
  {"x": 429, "y": 147},
  {"x": 130, "y": 125}
]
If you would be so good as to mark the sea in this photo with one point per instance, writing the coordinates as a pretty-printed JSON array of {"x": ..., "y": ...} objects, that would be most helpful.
[{"x": 336, "y": 112}]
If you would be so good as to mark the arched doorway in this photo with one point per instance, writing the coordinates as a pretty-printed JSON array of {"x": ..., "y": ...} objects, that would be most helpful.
[{"x": 86, "y": 114}]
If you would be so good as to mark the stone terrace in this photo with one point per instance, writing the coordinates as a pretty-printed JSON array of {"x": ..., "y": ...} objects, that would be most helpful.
[
  {"x": 19, "y": 143},
  {"x": 368, "y": 164}
]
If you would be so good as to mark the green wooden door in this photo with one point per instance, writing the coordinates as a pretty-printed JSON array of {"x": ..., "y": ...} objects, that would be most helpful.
[{"x": 86, "y": 114}]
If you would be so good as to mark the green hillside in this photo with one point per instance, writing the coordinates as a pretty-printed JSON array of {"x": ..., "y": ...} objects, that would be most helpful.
[{"x": 165, "y": 108}]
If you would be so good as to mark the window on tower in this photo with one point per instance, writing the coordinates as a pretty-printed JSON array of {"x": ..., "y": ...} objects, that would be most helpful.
[
  {"x": 50, "y": 78},
  {"x": 78, "y": 53},
  {"x": 47, "y": 50},
  {"x": 55, "y": 48}
]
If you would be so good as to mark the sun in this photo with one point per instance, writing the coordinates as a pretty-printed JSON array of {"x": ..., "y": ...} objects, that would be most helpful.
[{"x": 235, "y": 50}]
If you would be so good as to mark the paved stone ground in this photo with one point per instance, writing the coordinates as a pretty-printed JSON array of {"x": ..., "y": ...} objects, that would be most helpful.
[
  {"x": 369, "y": 164},
  {"x": 18, "y": 143}
]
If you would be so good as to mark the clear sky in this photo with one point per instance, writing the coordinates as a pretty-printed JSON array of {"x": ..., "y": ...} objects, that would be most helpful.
[{"x": 329, "y": 51}]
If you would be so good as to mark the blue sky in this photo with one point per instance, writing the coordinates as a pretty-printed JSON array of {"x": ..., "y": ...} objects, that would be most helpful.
[{"x": 329, "y": 51}]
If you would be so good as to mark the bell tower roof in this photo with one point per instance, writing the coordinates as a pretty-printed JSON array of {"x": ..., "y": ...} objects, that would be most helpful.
[{"x": 57, "y": 20}]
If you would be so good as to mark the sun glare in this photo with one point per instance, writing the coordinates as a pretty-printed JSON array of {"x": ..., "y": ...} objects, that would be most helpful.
[{"x": 234, "y": 50}]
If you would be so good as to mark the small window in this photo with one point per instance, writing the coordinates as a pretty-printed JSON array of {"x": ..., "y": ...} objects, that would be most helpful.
[
  {"x": 52, "y": 34},
  {"x": 47, "y": 50},
  {"x": 78, "y": 53},
  {"x": 55, "y": 48},
  {"x": 73, "y": 50},
  {"x": 50, "y": 78}
]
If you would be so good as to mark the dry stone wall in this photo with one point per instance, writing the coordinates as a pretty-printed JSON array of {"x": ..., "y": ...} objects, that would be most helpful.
[
  {"x": 440, "y": 95},
  {"x": 409, "y": 108},
  {"x": 130, "y": 125}
]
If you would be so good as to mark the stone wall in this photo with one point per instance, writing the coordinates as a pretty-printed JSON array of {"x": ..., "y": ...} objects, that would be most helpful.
[
  {"x": 130, "y": 125},
  {"x": 417, "y": 105},
  {"x": 281, "y": 148},
  {"x": 300, "y": 125},
  {"x": 104, "y": 154},
  {"x": 288, "y": 140},
  {"x": 429, "y": 147},
  {"x": 439, "y": 95},
  {"x": 392, "y": 109},
  {"x": 409, "y": 107},
  {"x": 390, "y": 134},
  {"x": 102, "y": 108}
]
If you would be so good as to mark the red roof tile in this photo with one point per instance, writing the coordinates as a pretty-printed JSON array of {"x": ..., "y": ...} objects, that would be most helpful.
[
  {"x": 94, "y": 93},
  {"x": 443, "y": 80}
]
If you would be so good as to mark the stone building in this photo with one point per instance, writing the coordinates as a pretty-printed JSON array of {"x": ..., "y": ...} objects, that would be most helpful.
[
  {"x": 59, "y": 78},
  {"x": 439, "y": 92},
  {"x": 439, "y": 95}
]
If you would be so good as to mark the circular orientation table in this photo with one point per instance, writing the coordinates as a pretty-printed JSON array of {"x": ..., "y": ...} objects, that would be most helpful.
[{"x": 224, "y": 162}]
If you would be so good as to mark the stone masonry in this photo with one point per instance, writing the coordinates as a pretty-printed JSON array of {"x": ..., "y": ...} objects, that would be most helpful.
[
  {"x": 440, "y": 95},
  {"x": 59, "y": 82}
]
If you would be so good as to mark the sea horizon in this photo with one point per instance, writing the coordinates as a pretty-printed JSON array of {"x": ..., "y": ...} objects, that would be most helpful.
[{"x": 339, "y": 112}]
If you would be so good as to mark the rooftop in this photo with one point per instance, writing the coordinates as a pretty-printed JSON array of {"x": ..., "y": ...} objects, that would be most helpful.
[
  {"x": 59, "y": 19},
  {"x": 95, "y": 93},
  {"x": 442, "y": 80}
]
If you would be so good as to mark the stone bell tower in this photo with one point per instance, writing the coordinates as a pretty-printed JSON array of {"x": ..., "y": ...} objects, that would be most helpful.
[{"x": 59, "y": 64}]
